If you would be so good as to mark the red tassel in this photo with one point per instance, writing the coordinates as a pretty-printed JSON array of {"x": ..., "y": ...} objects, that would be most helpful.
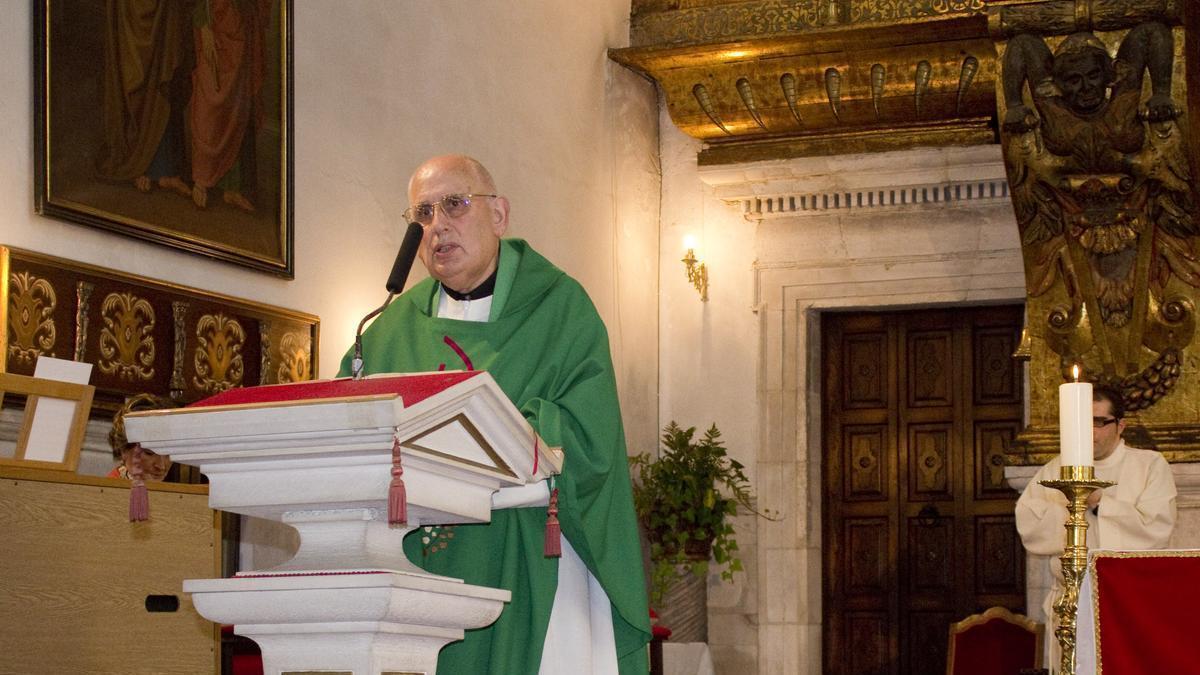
[
  {"x": 397, "y": 497},
  {"x": 553, "y": 548},
  {"x": 139, "y": 497}
]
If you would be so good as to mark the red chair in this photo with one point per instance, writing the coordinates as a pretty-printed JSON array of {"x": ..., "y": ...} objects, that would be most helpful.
[{"x": 997, "y": 642}]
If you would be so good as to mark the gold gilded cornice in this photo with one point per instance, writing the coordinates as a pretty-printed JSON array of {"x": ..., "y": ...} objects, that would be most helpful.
[
  {"x": 658, "y": 22},
  {"x": 845, "y": 88}
]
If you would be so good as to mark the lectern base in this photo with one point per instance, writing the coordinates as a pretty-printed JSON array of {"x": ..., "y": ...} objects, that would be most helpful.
[{"x": 363, "y": 622}]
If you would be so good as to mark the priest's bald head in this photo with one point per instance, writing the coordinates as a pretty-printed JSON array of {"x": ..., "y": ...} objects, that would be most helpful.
[{"x": 454, "y": 198}]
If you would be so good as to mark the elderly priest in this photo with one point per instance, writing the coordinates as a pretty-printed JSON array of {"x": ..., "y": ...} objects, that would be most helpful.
[{"x": 498, "y": 305}]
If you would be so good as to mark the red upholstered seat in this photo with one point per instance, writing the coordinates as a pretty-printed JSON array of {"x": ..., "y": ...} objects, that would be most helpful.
[{"x": 996, "y": 642}]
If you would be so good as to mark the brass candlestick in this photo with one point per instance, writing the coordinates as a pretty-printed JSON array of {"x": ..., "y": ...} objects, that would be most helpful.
[{"x": 1077, "y": 483}]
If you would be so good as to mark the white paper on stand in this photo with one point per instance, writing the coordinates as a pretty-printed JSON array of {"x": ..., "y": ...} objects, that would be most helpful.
[{"x": 51, "y": 425}]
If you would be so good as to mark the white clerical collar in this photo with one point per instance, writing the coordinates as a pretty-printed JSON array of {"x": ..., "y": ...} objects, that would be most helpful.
[
  {"x": 1115, "y": 458},
  {"x": 463, "y": 310}
]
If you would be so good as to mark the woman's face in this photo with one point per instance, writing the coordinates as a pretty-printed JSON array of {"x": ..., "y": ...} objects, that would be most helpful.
[{"x": 154, "y": 466}]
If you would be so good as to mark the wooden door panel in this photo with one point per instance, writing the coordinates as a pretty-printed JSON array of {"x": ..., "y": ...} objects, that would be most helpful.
[
  {"x": 865, "y": 463},
  {"x": 866, "y": 570},
  {"x": 927, "y": 643},
  {"x": 918, "y": 530},
  {"x": 999, "y": 557},
  {"x": 866, "y": 371},
  {"x": 930, "y": 460},
  {"x": 996, "y": 380},
  {"x": 869, "y": 651},
  {"x": 992, "y": 440},
  {"x": 930, "y": 372},
  {"x": 931, "y": 552}
]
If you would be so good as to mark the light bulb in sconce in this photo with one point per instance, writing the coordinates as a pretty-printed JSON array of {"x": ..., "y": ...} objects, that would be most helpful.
[{"x": 697, "y": 272}]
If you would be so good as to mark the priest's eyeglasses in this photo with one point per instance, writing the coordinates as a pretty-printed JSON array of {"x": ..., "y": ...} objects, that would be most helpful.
[
  {"x": 1101, "y": 422},
  {"x": 453, "y": 206}
]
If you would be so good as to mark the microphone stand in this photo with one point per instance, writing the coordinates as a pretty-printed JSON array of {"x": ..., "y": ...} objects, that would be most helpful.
[
  {"x": 395, "y": 284},
  {"x": 356, "y": 364}
]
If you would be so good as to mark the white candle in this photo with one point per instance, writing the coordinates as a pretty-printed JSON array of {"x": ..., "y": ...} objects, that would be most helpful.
[{"x": 1075, "y": 423}]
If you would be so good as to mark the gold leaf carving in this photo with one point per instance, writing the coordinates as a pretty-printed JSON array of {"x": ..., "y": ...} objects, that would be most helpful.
[
  {"x": 878, "y": 80},
  {"x": 126, "y": 340},
  {"x": 747, "y": 93},
  {"x": 869, "y": 11},
  {"x": 295, "y": 361},
  {"x": 29, "y": 318},
  {"x": 705, "y": 101},
  {"x": 921, "y": 80},
  {"x": 218, "y": 356},
  {"x": 966, "y": 76},
  {"x": 833, "y": 90},
  {"x": 787, "y": 82},
  {"x": 740, "y": 20}
]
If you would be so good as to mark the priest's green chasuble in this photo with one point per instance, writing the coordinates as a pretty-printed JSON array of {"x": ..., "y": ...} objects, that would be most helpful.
[{"x": 546, "y": 347}]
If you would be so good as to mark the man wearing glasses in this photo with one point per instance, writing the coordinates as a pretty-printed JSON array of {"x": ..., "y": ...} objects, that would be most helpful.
[
  {"x": 497, "y": 305},
  {"x": 1137, "y": 513}
]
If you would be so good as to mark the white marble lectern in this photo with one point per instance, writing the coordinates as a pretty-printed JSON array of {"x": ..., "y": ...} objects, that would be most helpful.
[{"x": 318, "y": 456}]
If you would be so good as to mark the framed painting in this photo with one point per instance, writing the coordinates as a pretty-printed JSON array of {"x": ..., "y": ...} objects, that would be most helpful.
[{"x": 170, "y": 121}]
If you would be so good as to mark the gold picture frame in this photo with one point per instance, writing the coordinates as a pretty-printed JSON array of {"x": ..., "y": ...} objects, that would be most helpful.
[
  {"x": 170, "y": 122},
  {"x": 35, "y": 390}
]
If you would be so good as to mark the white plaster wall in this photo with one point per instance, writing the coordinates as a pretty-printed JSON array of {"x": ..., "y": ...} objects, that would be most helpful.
[
  {"x": 381, "y": 84},
  {"x": 709, "y": 360}
]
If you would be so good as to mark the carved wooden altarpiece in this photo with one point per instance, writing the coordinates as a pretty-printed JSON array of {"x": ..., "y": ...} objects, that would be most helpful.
[
  {"x": 145, "y": 336},
  {"x": 1093, "y": 99}
]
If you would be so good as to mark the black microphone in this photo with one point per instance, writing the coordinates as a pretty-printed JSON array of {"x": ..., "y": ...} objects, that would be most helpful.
[
  {"x": 404, "y": 258},
  {"x": 395, "y": 284}
]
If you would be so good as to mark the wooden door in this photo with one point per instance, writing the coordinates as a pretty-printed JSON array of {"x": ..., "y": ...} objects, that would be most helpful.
[{"x": 918, "y": 525}]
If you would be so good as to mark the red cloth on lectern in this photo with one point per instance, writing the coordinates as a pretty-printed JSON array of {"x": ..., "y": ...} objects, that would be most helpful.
[
  {"x": 411, "y": 388},
  {"x": 1147, "y": 614}
]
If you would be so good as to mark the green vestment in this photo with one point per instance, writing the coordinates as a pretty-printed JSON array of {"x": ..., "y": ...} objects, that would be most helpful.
[{"x": 546, "y": 347}]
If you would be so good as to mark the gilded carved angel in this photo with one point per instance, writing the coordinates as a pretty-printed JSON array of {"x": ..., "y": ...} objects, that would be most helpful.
[{"x": 1102, "y": 187}]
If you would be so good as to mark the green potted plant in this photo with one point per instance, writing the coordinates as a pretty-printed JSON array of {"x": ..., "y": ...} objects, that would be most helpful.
[{"x": 684, "y": 499}]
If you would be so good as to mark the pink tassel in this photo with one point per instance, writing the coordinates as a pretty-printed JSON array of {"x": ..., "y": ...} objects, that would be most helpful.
[
  {"x": 139, "y": 497},
  {"x": 553, "y": 548},
  {"x": 397, "y": 497}
]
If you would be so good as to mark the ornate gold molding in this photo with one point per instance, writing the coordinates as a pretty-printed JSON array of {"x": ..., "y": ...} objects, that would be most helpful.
[
  {"x": 656, "y": 22},
  {"x": 863, "y": 87}
]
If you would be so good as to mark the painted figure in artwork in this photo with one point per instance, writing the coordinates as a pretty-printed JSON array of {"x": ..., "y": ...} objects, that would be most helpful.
[
  {"x": 145, "y": 47},
  {"x": 226, "y": 105},
  {"x": 1101, "y": 187}
]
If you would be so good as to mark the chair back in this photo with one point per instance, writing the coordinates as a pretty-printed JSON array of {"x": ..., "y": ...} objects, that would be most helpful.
[{"x": 996, "y": 642}]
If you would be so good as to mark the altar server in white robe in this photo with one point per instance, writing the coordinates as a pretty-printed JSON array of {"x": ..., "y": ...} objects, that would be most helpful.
[{"x": 1138, "y": 513}]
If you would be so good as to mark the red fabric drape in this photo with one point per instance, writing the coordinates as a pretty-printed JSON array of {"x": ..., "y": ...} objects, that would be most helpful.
[{"x": 1147, "y": 614}]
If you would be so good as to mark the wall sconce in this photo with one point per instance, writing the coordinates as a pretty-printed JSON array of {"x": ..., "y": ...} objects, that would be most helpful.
[{"x": 697, "y": 272}]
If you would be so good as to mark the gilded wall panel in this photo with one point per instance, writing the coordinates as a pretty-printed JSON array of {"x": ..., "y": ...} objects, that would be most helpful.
[{"x": 145, "y": 335}]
